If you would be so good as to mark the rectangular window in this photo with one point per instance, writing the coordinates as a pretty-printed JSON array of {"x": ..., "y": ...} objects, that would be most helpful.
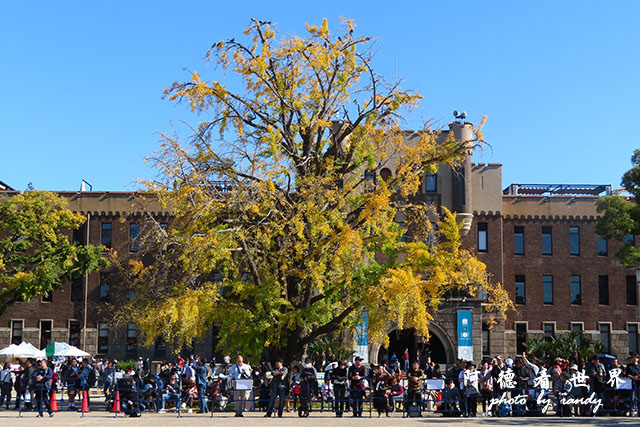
[
  {"x": 164, "y": 226},
  {"x": 547, "y": 247},
  {"x": 520, "y": 289},
  {"x": 521, "y": 337},
  {"x": 632, "y": 330},
  {"x": 518, "y": 240},
  {"x": 486, "y": 345},
  {"x": 105, "y": 235},
  {"x": 78, "y": 235},
  {"x": 576, "y": 290},
  {"x": 577, "y": 327},
  {"x": 431, "y": 183},
  {"x": 103, "y": 337},
  {"x": 16, "y": 331},
  {"x": 48, "y": 297},
  {"x": 132, "y": 338},
  {"x": 574, "y": 241},
  {"x": 605, "y": 337},
  {"x": 74, "y": 333},
  {"x": 603, "y": 290},
  {"x": 549, "y": 330},
  {"x": 45, "y": 332},
  {"x": 630, "y": 239},
  {"x": 603, "y": 246},
  {"x": 104, "y": 287},
  {"x": 547, "y": 289},
  {"x": 482, "y": 236},
  {"x": 134, "y": 237},
  {"x": 632, "y": 291},
  {"x": 77, "y": 288}
]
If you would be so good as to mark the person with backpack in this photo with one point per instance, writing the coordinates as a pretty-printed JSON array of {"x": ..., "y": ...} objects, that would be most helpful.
[
  {"x": 87, "y": 380},
  {"x": 6, "y": 384}
]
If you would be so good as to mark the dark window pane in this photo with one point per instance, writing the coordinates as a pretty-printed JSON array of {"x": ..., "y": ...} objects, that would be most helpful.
[
  {"x": 520, "y": 290},
  {"x": 78, "y": 235},
  {"x": 48, "y": 297},
  {"x": 74, "y": 333},
  {"x": 630, "y": 239},
  {"x": 603, "y": 290},
  {"x": 574, "y": 241},
  {"x": 486, "y": 345},
  {"x": 632, "y": 329},
  {"x": 16, "y": 332},
  {"x": 431, "y": 183},
  {"x": 605, "y": 337},
  {"x": 603, "y": 249},
  {"x": 518, "y": 240},
  {"x": 547, "y": 248},
  {"x": 482, "y": 236},
  {"x": 576, "y": 291},
  {"x": 132, "y": 338},
  {"x": 521, "y": 337},
  {"x": 105, "y": 235},
  {"x": 577, "y": 327},
  {"x": 134, "y": 237},
  {"x": 45, "y": 332},
  {"x": 547, "y": 289},
  {"x": 549, "y": 330},
  {"x": 103, "y": 337},
  {"x": 632, "y": 290},
  {"x": 104, "y": 287},
  {"x": 77, "y": 288}
]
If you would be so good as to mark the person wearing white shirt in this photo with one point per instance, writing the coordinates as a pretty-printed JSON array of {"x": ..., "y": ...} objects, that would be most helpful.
[{"x": 241, "y": 371}]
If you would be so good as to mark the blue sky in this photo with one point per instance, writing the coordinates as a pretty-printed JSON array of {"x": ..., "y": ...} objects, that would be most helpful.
[{"x": 81, "y": 82}]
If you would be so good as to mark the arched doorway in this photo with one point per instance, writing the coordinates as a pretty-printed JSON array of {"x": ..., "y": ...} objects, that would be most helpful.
[{"x": 440, "y": 352}]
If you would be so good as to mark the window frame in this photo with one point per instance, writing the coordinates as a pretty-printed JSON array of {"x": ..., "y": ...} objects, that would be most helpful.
[
  {"x": 515, "y": 241},
  {"x": 526, "y": 334},
  {"x": 607, "y": 348},
  {"x": 524, "y": 289},
  {"x": 553, "y": 327},
  {"x": 607, "y": 300},
  {"x": 134, "y": 240},
  {"x": 571, "y": 283},
  {"x": 100, "y": 330},
  {"x": 574, "y": 251},
  {"x": 544, "y": 301},
  {"x": 433, "y": 177},
  {"x": 21, "y": 321},
  {"x": 637, "y": 336},
  {"x": 600, "y": 239},
  {"x": 547, "y": 230},
  {"x": 635, "y": 289},
  {"x": 50, "y": 332},
  {"x": 109, "y": 244},
  {"x": 482, "y": 227}
]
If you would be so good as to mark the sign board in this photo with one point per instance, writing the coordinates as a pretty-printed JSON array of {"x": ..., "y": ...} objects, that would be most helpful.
[
  {"x": 362, "y": 338},
  {"x": 244, "y": 384},
  {"x": 465, "y": 334}
]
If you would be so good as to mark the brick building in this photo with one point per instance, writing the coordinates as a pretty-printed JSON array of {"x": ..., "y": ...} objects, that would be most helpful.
[{"x": 538, "y": 241}]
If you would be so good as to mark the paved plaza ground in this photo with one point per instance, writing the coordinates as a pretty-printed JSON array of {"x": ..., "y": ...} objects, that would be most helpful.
[{"x": 100, "y": 418}]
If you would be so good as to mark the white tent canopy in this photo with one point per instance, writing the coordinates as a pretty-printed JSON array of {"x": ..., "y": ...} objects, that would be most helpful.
[
  {"x": 23, "y": 351},
  {"x": 63, "y": 349}
]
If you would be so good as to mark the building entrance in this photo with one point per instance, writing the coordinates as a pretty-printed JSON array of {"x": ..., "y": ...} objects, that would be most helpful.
[{"x": 399, "y": 340}]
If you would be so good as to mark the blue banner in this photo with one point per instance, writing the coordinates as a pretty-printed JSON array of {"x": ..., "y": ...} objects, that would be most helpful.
[{"x": 465, "y": 334}]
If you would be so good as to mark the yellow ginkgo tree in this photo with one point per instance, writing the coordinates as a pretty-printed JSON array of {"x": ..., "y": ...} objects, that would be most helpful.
[{"x": 279, "y": 236}]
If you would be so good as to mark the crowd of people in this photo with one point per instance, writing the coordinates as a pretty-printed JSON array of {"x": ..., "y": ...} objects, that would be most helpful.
[{"x": 499, "y": 386}]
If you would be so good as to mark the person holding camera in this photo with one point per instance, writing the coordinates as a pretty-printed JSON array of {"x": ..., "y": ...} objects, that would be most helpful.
[{"x": 241, "y": 398}]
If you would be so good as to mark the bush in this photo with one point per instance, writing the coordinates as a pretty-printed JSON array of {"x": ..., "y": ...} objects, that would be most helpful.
[
  {"x": 572, "y": 346},
  {"x": 126, "y": 365}
]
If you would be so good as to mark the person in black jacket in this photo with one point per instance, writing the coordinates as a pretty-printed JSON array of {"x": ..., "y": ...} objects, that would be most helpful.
[
  {"x": 339, "y": 381},
  {"x": 40, "y": 384},
  {"x": 357, "y": 374}
]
